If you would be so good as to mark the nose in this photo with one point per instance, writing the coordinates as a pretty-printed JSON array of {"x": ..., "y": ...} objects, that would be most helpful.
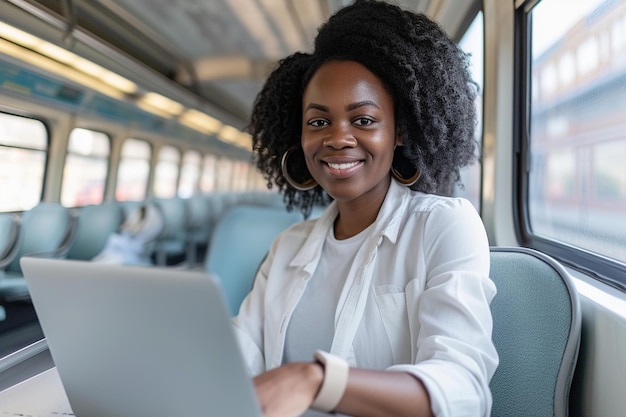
[{"x": 340, "y": 136}]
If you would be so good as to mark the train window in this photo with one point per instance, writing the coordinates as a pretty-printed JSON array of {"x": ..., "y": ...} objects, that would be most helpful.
[
  {"x": 240, "y": 175},
  {"x": 86, "y": 166},
  {"x": 577, "y": 138},
  {"x": 166, "y": 172},
  {"x": 133, "y": 171},
  {"x": 209, "y": 167},
  {"x": 255, "y": 179},
  {"x": 189, "y": 174},
  {"x": 23, "y": 146},
  {"x": 253, "y": 182},
  {"x": 472, "y": 43},
  {"x": 224, "y": 174}
]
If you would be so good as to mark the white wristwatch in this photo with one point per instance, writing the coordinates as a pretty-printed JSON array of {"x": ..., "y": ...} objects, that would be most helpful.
[{"x": 335, "y": 381}]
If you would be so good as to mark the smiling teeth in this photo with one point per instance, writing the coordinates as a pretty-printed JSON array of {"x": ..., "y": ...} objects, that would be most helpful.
[{"x": 343, "y": 166}]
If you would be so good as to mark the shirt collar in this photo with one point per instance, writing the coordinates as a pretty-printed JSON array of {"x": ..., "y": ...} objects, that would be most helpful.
[
  {"x": 387, "y": 224},
  {"x": 390, "y": 214}
]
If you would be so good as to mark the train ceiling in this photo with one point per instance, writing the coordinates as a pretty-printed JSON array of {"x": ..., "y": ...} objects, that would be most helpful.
[{"x": 220, "y": 50}]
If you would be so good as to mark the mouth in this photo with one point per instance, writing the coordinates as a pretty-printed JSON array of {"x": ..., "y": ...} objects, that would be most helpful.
[
  {"x": 342, "y": 169},
  {"x": 345, "y": 165}
]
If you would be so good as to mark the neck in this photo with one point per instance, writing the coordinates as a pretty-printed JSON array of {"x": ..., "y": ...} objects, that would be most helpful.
[{"x": 356, "y": 215}]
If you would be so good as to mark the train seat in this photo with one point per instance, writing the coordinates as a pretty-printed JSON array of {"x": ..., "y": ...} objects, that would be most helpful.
[
  {"x": 128, "y": 207},
  {"x": 264, "y": 198},
  {"x": 172, "y": 242},
  {"x": 9, "y": 243},
  {"x": 537, "y": 328},
  {"x": 48, "y": 230},
  {"x": 199, "y": 226},
  {"x": 9, "y": 238},
  {"x": 239, "y": 243},
  {"x": 216, "y": 209},
  {"x": 95, "y": 224}
]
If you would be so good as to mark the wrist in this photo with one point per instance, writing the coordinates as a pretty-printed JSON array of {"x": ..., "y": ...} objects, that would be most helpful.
[
  {"x": 316, "y": 375},
  {"x": 334, "y": 382}
]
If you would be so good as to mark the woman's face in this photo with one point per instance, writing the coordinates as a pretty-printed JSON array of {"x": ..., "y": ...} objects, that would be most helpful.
[{"x": 348, "y": 131}]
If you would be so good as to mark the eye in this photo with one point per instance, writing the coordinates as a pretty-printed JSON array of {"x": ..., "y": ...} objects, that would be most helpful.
[
  {"x": 363, "y": 121},
  {"x": 318, "y": 123}
]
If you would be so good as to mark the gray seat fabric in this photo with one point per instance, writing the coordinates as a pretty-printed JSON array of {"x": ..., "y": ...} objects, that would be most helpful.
[
  {"x": 239, "y": 243},
  {"x": 537, "y": 328}
]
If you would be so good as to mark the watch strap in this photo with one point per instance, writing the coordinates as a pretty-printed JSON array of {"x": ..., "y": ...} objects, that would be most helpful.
[{"x": 336, "y": 372}]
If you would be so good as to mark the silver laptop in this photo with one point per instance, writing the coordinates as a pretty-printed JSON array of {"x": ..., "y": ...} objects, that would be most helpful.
[{"x": 132, "y": 341}]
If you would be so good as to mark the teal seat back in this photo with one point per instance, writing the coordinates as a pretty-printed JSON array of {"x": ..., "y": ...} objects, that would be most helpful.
[
  {"x": 199, "y": 213},
  {"x": 240, "y": 241},
  {"x": 175, "y": 217},
  {"x": 537, "y": 327},
  {"x": 95, "y": 224},
  {"x": 47, "y": 230},
  {"x": 173, "y": 237},
  {"x": 9, "y": 238},
  {"x": 199, "y": 225}
]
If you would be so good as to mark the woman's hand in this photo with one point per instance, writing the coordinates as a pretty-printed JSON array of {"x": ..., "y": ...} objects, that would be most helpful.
[{"x": 289, "y": 390}]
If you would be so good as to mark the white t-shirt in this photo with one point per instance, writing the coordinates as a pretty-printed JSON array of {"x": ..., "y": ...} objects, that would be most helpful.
[{"x": 312, "y": 324}]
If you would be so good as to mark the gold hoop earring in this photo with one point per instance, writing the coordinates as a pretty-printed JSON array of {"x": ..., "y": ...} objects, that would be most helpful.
[
  {"x": 400, "y": 160},
  {"x": 405, "y": 181},
  {"x": 307, "y": 185}
]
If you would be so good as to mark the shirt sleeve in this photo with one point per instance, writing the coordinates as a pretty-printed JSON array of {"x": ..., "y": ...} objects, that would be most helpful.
[{"x": 455, "y": 356}]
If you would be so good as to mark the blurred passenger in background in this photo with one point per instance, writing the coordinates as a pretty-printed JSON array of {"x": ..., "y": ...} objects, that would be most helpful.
[{"x": 132, "y": 244}]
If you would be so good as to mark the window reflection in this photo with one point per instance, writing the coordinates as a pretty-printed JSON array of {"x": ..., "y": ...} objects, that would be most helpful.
[
  {"x": 23, "y": 145},
  {"x": 577, "y": 179},
  {"x": 85, "y": 169},
  {"x": 133, "y": 171},
  {"x": 166, "y": 172}
]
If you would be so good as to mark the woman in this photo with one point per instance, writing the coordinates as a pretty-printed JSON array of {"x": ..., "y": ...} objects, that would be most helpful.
[{"x": 381, "y": 306}]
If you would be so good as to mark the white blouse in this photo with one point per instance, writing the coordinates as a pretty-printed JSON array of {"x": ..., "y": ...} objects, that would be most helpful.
[{"x": 416, "y": 300}]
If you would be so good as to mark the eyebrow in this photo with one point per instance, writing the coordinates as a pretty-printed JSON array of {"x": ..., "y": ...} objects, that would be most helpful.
[
  {"x": 349, "y": 107},
  {"x": 361, "y": 104}
]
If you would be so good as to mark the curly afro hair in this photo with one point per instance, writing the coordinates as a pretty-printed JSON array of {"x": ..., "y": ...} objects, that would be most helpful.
[{"x": 425, "y": 72}]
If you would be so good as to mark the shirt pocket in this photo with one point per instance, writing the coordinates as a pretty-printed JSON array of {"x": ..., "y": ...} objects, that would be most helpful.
[{"x": 391, "y": 303}]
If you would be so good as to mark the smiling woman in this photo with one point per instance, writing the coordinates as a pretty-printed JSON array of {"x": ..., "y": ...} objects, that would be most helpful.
[{"x": 371, "y": 96}]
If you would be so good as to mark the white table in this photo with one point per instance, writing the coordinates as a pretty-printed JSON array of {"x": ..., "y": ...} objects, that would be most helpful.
[{"x": 40, "y": 396}]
